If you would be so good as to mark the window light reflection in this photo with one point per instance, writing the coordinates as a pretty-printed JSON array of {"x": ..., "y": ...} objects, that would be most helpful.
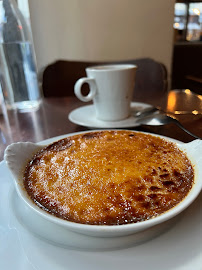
[
  {"x": 195, "y": 112},
  {"x": 187, "y": 91},
  {"x": 171, "y": 103}
]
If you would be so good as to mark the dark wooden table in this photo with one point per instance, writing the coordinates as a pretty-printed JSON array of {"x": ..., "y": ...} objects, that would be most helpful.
[{"x": 51, "y": 120}]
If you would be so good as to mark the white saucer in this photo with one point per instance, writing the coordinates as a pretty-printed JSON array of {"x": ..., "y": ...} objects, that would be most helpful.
[
  {"x": 179, "y": 248},
  {"x": 85, "y": 116}
]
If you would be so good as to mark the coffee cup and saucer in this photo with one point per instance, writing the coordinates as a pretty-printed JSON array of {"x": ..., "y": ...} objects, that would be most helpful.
[{"x": 111, "y": 90}]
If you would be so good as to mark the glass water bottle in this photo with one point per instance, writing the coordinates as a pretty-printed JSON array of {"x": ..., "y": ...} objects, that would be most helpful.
[{"x": 18, "y": 74}]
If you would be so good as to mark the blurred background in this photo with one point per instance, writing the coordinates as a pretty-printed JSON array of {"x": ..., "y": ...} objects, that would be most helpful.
[{"x": 92, "y": 30}]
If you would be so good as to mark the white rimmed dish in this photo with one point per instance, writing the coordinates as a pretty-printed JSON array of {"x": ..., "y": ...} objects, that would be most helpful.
[{"x": 18, "y": 154}]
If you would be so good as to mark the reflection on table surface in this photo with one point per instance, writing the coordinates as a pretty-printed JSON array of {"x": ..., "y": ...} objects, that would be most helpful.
[
  {"x": 183, "y": 100},
  {"x": 51, "y": 120}
]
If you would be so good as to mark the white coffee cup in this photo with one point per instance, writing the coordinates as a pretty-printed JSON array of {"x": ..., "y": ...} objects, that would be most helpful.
[{"x": 111, "y": 89}]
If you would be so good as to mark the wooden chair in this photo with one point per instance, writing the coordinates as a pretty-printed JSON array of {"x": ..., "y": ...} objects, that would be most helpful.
[{"x": 58, "y": 79}]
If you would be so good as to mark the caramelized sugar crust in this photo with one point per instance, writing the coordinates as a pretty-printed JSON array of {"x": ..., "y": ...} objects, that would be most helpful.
[{"x": 109, "y": 177}]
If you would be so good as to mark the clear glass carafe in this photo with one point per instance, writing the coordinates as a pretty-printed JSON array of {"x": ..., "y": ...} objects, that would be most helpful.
[{"x": 18, "y": 73}]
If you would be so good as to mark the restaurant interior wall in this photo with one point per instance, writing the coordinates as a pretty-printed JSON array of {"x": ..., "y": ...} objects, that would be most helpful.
[{"x": 94, "y": 30}]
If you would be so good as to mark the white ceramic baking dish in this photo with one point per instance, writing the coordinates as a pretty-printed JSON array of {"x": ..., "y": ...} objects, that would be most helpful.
[{"x": 18, "y": 154}]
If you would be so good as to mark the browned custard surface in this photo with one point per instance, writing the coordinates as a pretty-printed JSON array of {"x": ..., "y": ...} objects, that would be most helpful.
[{"x": 109, "y": 177}]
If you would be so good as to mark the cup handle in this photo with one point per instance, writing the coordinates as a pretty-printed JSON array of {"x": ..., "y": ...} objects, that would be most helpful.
[{"x": 91, "y": 94}]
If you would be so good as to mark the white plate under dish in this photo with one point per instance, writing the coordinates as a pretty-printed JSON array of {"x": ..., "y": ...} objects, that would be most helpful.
[
  {"x": 179, "y": 248},
  {"x": 16, "y": 156},
  {"x": 45, "y": 228},
  {"x": 85, "y": 116}
]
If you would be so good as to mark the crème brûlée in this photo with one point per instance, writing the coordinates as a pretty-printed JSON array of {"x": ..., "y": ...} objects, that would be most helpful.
[{"x": 109, "y": 177}]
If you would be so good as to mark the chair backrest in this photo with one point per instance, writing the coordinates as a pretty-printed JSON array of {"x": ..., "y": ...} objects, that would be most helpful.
[{"x": 58, "y": 79}]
